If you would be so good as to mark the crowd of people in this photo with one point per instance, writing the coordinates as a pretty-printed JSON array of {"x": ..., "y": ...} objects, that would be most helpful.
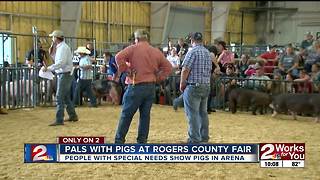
[{"x": 296, "y": 68}]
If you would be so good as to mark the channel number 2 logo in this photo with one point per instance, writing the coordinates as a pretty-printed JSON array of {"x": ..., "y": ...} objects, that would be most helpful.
[
  {"x": 39, "y": 153},
  {"x": 267, "y": 152}
]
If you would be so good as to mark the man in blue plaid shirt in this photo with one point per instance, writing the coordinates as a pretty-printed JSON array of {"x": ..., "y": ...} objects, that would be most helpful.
[{"x": 195, "y": 85}]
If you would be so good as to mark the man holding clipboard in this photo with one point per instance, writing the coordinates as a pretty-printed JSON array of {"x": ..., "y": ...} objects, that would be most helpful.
[{"x": 63, "y": 67}]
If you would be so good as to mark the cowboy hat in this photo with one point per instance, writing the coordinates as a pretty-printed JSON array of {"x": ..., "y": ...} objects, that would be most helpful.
[{"x": 82, "y": 49}]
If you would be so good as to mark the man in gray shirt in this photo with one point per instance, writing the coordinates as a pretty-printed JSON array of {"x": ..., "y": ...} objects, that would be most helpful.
[{"x": 289, "y": 62}]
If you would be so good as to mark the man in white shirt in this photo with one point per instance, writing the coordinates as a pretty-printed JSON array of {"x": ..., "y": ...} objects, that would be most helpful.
[
  {"x": 85, "y": 79},
  {"x": 259, "y": 81},
  {"x": 63, "y": 67},
  {"x": 174, "y": 59}
]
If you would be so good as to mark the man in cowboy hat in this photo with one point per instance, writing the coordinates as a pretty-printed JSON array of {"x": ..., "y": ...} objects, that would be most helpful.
[
  {"x": 63, "y": 67},
  {"x": 86, "y": 76}
]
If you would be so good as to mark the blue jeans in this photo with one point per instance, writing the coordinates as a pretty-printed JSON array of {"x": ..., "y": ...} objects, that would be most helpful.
[
  {"x": 178, "y": 101},
  {"x": 195, "y": 99},
  {"x": 138, "y": 96},
  {"x": 63, "y": 97},
  {"x": 84, "y": 85}
]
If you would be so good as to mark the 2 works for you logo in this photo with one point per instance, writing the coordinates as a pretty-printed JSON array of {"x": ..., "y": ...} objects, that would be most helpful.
[
  {"x": 282, "y": 151},
  {"x": 40, "y": 153},
  {"x": 282, "y": 154}
]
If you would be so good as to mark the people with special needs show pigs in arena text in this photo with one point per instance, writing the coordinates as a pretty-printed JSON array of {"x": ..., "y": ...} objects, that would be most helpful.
[
  {"x": 63, "y": 67},
  {"x": 195, "y": 85},
  {"x": 145, "y": 65}
]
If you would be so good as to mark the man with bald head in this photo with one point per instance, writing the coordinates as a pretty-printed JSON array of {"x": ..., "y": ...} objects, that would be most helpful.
[{"x": 145, "y": 65}]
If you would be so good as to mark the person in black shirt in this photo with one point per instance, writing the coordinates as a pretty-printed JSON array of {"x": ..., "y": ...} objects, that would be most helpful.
[
  {"x": 215, "y": 67},
  {"x": 42, "y": 56},
  {"x": 93, "y": 53},
  {"x": 182, "y": 49}
]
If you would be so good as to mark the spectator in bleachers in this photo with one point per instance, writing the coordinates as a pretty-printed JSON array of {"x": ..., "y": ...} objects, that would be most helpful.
[
  {"x": 215, "y": 68},
  {"x": 289, "y": 86},
  {"x": 169, "y": 47},
  {"x": 252, "y": 69},
  {"x": 313, "y": 56},
  {"x": 270, "y": 59},
  {"x": 315, "y": 77},
  {"x": 307, "y": 43},
  {"x": 242, "y": 65},
  {"x": 42, "y": 56},
  {"x": 259, "y": 81},
  {"x": 228, "y": 83},
  {"x": 289, "y": 62},
  {"x": 182, "y": 47},
  {"x": 226, "y": 57},
  {"x": 303, "y": 82},
  {"x": 172, "y": 83},
  {"x": 85, "y": 79},
  {"x": 303, "y": 76},
  {"x": 302, "y": 56},
  {"x": 316, "y": 45},
  {"x": 174, "y": 59},
  {"x": 277, "y": 86}
]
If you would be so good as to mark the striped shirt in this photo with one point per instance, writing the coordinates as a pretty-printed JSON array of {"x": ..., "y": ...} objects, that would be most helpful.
[
  {"x": 198, "y": 60},
  {"x": 85, "y": 73}
]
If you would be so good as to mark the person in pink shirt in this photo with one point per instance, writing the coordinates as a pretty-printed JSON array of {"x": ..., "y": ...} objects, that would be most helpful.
[
  {"x": 226, "y": 57},
  {"x": 145, "y": 65}
]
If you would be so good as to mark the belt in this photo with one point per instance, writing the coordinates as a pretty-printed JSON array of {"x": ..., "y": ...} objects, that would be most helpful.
[
  {"x": 198, "y": 84},
  {"x": 64, "y": 73},
  {"x": 144, "y": 83}
]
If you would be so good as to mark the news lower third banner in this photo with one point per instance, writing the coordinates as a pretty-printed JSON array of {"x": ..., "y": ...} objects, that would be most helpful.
[
  {"x": 84, "y": 150},
  {"x": 140, "y": 153}
]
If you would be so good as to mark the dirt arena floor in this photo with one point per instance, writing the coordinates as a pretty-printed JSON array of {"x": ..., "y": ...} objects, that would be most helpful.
[{"x": 31, "y": 126}]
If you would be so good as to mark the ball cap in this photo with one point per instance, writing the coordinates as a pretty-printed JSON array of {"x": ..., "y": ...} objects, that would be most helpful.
[
  {"x": 273, "y": 46},
  {"x": 196, "y": 36},
  {"x": 308, "y": 33},
  {"x": 57, "y": 33}
]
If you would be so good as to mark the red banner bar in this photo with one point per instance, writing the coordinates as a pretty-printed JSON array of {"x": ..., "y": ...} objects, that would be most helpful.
[{"x": 80, "y": 140}]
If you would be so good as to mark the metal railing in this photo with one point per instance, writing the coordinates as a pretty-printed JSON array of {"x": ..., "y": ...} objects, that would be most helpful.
[
  {"x": 273, "y": 87},
  {"x": 21, "y": 87}
]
